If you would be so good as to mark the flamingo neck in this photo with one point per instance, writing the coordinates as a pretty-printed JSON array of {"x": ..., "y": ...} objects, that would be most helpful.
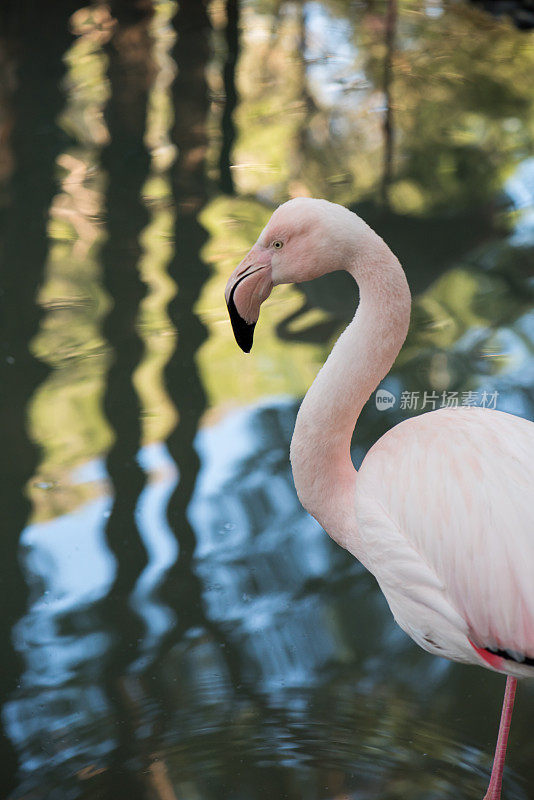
[{"x": 324, "y": 475}]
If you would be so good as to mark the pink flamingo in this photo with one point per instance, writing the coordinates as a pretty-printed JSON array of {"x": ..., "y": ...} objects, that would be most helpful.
[{"x": 441, "y": 510}]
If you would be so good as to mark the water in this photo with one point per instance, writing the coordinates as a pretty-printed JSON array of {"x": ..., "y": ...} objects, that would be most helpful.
[{"x": 173, "y": 624}]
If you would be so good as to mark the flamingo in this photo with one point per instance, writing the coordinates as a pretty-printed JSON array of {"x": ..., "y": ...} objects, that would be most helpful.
[{"x": 441, "y": 510}]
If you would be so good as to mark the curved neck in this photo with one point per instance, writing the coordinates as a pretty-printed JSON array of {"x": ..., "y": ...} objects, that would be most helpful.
[{"x": 323, "y": 472}]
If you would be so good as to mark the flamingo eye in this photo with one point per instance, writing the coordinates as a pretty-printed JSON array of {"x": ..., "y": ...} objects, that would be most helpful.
[{"x": 278, "y": 244}]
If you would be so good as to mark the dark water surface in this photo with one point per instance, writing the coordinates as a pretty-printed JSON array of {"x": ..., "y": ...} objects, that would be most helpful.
[{"x": 174, "y": 626}]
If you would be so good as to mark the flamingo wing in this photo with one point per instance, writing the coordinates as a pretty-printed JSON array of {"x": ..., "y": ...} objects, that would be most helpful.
[{"x": 446, "y": 524}]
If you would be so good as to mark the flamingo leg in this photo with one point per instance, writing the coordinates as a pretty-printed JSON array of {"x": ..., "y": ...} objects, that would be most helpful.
[{"x": 494, "y": 788}]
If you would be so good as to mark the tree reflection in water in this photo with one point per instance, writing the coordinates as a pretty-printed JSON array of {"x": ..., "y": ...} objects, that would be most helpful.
[
  {"x": 181, "y": 628},
  {"x": 30, "y": 143}
]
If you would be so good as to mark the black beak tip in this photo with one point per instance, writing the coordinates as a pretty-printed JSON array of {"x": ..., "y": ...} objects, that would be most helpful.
[{"x": 243, "y": 331}]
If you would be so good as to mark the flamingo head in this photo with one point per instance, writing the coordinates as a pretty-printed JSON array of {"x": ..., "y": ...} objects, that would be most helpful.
[{"x": 303, "y": 239}]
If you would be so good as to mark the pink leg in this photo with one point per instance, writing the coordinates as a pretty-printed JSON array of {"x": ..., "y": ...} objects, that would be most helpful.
[{"x": 494, "y": 788}]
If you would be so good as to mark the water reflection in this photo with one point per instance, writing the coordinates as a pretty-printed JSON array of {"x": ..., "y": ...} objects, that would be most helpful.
[
  {"x": 126, "y": 162},
  {"x": 179, "y": 626},
  {"x": 31, "y": 141}
]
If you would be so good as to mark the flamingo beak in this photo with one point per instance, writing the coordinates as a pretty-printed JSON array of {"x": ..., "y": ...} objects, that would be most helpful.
[{"x": 248, "y": 286}]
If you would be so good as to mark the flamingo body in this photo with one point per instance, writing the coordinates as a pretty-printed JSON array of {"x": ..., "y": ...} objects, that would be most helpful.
[{"x": 444, "y": 506}]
